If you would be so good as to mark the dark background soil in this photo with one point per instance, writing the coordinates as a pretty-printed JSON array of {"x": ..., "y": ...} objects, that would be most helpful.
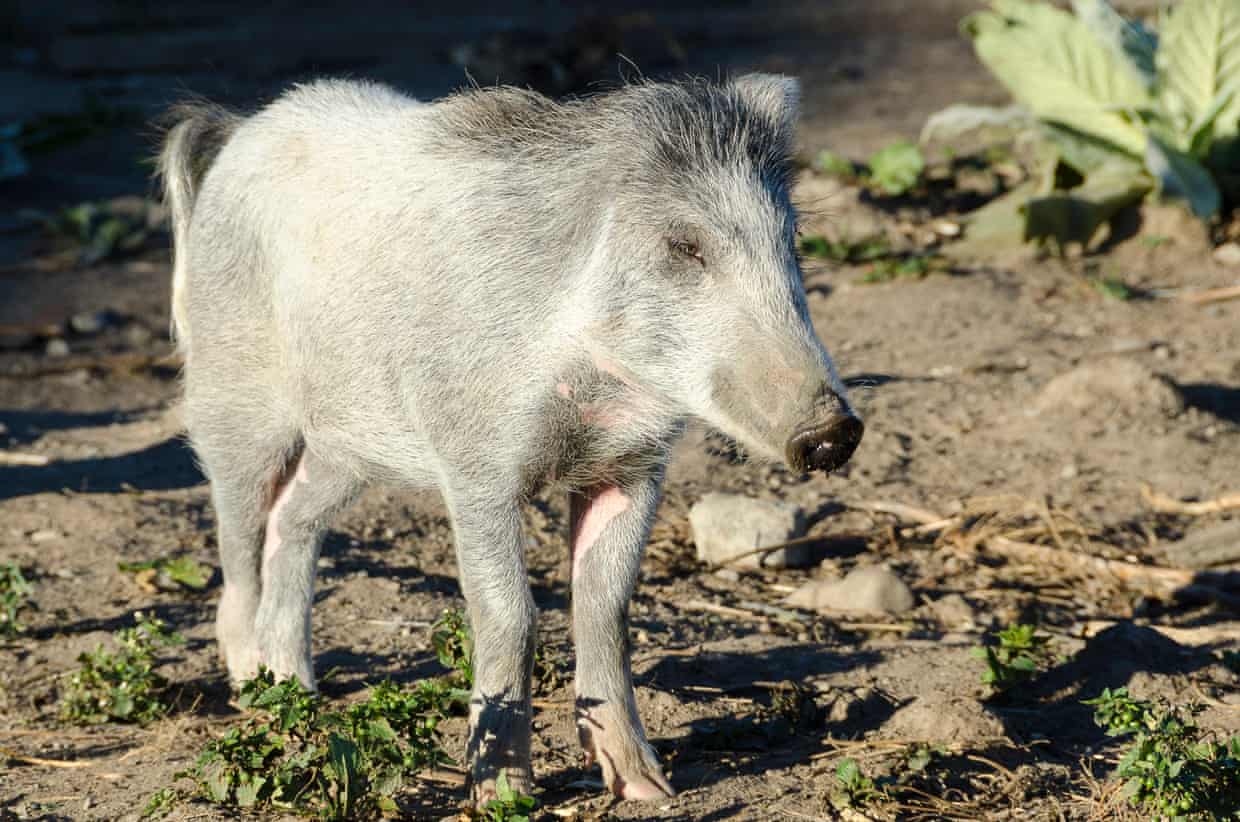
[{"x": 954, "y": 376}]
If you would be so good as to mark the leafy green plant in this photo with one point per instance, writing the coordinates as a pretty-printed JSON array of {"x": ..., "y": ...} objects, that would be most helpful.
[
  {"x": 170, "y": 573},
  {"x": 834, "y": 165},
  {"x": 893, "y": 170},
  {"x": 454, "y": 645},
  {"x": 1016, "y": 657},
  {"x": 853, "y": 789},
  {"x": 845, "y": 250},
  {"x": 121, "y": 685},
  {"x": 914, "y": 267},
  {"x": 509, "y": 805},
  {"x": 294, "y": 753},
  {"x": 15, "y": 593},
  {"x": 97, "y": 230},
  {"x": 1116, "y": 112},
  {"x": 896, "y": 168},
  {"x": 1173, "y": 767}
]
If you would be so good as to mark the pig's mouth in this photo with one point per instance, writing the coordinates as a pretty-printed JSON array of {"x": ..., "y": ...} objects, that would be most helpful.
[{"x": 825, "y": 447}]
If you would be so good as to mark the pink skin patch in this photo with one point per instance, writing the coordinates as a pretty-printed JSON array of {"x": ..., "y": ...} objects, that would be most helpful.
[
  {"x": 599, "y": 506},
  {"x": 271, "y": 543}
]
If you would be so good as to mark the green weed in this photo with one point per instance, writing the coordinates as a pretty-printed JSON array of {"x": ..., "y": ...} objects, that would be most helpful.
[
  {"x": 454, "y": 645},
  {"x": 889, "y": 269},
  {"x": 845, "y": 250},
  {"x": 15, "y": 594},
  {"x": 295, "y": 754},
  {"x": 1016, "y": 658},
  {"x": 121, "y": 685},
  {"x": 509, "y": 805},
  {"x": 1172, "y": 768},
  {"x": 853, "y": 789},
  {"x": 170, "y": 573},
  {"x": 96, "y": 230},
  {"x": 896, "y": 168}
]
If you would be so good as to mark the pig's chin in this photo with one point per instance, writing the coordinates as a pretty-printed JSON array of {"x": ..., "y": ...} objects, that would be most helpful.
[{"x": 752, "y": 449}]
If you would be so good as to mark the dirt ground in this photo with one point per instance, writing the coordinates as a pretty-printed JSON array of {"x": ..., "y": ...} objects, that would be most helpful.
[{"x": 956, "y": 376}]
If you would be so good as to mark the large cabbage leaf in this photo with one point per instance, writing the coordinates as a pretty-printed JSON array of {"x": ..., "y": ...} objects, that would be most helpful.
[
  {"x": 1055, "y": 66},
  {"x": 1199, "y": 69}
]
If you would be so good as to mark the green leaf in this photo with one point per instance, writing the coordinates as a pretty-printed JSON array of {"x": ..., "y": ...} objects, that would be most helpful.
[
  {"x": 1052, "y": 64},
  {"x": 248, "y": 790},
  {"x": 188, "y": 572},
  {"x": 897, "y": 167},
  {"x": 834, "y": 165},
  {"x": 1129, "y": 40},
  {"x": 1199, "y": 67},
  {"x": 1179, "y": 175},
  {"x": 218, "y": 783}
]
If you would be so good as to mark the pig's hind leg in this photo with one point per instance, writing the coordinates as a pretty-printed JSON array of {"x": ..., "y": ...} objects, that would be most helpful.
[
  {"x": 244, "y": 464},
  {"x": 609, "y": 527},
  {"x": 310, "y": 493}
]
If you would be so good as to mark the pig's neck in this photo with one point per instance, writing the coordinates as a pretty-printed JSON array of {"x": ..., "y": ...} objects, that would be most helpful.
[{"x": 605, "y": 427}]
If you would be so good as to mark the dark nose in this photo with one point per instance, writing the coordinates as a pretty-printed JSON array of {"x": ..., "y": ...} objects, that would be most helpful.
[{"x": 827, "y": 446}]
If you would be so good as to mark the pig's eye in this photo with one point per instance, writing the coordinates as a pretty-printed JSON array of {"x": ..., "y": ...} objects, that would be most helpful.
[{"x": 686, "y": 249}]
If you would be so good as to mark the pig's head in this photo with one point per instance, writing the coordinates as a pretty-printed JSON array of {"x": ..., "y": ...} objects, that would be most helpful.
[{"x": 707, "y": 307}]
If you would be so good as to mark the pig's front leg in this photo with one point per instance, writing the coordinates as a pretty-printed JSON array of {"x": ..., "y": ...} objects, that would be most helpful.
[
  {"x": 489, "y": 550},
  {"x": 608, "y": 534}
]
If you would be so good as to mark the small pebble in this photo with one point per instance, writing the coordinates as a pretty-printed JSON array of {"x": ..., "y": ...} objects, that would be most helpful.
[
  {"x": 89, "y": 322},
  {"x": 1227, "y": 254},
  {"x": 137, "y": 334},
  {"x": 57, "y": 348}
]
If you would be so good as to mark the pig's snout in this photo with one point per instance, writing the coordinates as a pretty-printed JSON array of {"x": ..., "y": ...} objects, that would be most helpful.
[{"x": 825, "y": 446}]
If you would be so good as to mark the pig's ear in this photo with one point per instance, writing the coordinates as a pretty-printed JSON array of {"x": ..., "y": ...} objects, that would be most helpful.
[{"x": 776, "y": 95}]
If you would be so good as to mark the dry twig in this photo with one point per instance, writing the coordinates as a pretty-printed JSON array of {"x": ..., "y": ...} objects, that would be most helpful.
[{"x": 1164, "y": 504}]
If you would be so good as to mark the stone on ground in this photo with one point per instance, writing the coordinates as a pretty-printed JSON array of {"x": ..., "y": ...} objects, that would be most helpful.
[{"x": 727, "y": 525}]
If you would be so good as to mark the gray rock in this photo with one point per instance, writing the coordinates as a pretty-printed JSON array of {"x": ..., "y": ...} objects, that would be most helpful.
[
  {"x": 944, "y": 718},
  {"x": 1104, "y": 389},
  {"x": 1227, "y": 254},
  {"x": 57, "y": 348},
  {"x": 873, "y": 589},
  {"x": 726, "y": 525},
  {"x": 953, "y": 612}
]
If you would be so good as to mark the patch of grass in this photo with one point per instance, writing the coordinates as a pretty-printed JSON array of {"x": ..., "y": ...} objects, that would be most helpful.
[
  {"x": 845, "y": 250},
  {"x": 508, "y": 806},
  {"x": 15, "y": 591},
  {"x": 121, "y": 685},
  {"x": 889, "y": 269},
  {"x": 454, "y": 644},
  {"x": 1172, "y": 768},
  {"x": 853, "y": 789},
  {"x": 1020, "y": 651},
  {"x": 294, "y": 754},
  {"x": 169, "y": 573}
]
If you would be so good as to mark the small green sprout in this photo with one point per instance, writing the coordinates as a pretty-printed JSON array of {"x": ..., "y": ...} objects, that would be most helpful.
[
  {"x": 1017, "y": 657},
  {"x": 15, "y": 593},
  {"x": 454, "y": 645}
]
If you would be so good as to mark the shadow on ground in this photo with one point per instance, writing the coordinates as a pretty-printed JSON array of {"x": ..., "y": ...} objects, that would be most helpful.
[{"x": 164, "y": 466}]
